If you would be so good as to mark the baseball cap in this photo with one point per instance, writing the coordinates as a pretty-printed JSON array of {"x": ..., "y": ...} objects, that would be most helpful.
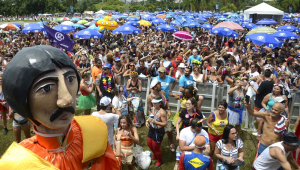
[
  {"x": 181, "y": 65},
  {"x": 154, "y": 83},
  {"x": 179, "y": 58},
  {"x": 117, "y": 59},
  {"x": 290, "y": 58},
  {"x": 105, "y": 101},
  {"x": 107, "y": 65},
  {"x": 162, "y": 69}
]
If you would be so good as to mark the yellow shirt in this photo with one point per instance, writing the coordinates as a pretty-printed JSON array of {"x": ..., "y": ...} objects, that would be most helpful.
[{"x": 218, "y": 124}]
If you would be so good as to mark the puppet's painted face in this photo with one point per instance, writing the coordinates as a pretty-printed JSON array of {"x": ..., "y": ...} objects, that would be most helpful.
[{"x": 52, "y": 98}]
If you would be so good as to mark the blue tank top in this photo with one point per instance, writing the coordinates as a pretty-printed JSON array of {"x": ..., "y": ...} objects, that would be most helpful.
[
  {"x": 271, "y": 102},
  {"x": 196, "y": 161}
]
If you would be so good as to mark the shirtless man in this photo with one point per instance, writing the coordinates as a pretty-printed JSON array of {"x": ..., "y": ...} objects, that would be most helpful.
[{"x": 273, "y": 128}]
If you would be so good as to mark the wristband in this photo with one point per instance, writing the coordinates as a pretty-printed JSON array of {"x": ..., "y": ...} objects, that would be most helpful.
[
  {"x": 259, "y": 134},
  {"x": 293, "y": 131},
  {"x": 224, "y": 158},
  {"x": 212, "y": 128},
  {"x": 118, "y": 141}
]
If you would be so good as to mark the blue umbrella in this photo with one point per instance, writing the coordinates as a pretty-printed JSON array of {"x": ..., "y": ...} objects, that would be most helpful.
[
  {"x": 18, "y": 25},
  {"x": 132, "y": 19},
  {"x": 43, "y": 22},
  {"x": 287, "y": 28},
  {"x": 207, "y": 26},
  {"x": 94, "y": 27},
  {"x": 185, "y": 24},
  {"x": 194, "y": 25},
  {"x": 236, "y": 20},
  {"x": 88, "y": 33},
  {"x": 266, "y": 22},
  {"x": 175, "y": 23},
  {"x": 64, "y": 28},
  {"x": 263, "y": 38},
  {"x": 116, "y": 16},
  {"x": 124, "y": 16},
  {"x": 78, "y": 26},
  {"x": 132, "y": 23},
  {"x": 222, "y": 19},
  {"x": 249, "y": 25},
  {"x": 200, "y": 20},
  {"x": 33, "y": 28},
  {"x": 222, "y": 31},
  {"x": 77, "y": 13},
  {"x": 158, "y": 21},
  {"x": 75, "y": 19},
  {"x": 69, "y": 13},
  {"x": 285, "y": 35},
  {"x": 98, "y": 18},
  {"x": 166, "y": 28},
  {"x": 126, "y": 29},
  {"x": 295, "y": 19},
  {"x": 235, "y": 15}
]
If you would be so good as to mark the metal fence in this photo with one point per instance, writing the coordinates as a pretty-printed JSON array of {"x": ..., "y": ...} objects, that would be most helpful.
[{"x": 212, "y": 95}]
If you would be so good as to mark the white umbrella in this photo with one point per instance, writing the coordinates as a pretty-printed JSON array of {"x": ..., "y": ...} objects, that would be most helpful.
[{"x": 67, "y": 23}]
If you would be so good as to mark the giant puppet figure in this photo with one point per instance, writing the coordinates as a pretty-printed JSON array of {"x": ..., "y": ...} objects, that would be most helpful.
[{"x": 40, "y": 83}]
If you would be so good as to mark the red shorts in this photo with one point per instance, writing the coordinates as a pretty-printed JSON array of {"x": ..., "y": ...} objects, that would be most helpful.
[
  {"x": 3, "y": 108},
  {"x": 257, "y": 109},
  {"x": 214, "y": 138}
]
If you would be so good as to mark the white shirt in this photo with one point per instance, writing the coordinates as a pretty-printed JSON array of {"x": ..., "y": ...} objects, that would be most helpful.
[
  {"x": 237, "y": 58},
  {"x": 265, "y": 161},
  {"x": 255, "y": 74},
  {"x": 188, "y": 136},
  {"x": 109, "y": 119}
]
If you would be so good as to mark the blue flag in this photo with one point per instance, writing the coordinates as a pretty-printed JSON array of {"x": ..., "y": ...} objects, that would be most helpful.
[{"x": 57, "y": 38}]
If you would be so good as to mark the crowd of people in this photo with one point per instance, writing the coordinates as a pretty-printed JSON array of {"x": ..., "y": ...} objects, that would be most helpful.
[{"x": 271, "y": 74}]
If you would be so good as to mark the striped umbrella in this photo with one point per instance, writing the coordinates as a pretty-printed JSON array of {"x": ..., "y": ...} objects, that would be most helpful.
[
  {"x": 267, "y": 30},
  {"x": 7, "y": 27}
]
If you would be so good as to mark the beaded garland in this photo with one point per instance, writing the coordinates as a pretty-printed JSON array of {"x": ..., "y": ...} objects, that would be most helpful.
[{"x": 107, "y": 84}]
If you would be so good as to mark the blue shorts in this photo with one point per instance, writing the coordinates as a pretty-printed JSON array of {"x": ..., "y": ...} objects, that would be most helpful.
[{"x": 261, "y": 148}]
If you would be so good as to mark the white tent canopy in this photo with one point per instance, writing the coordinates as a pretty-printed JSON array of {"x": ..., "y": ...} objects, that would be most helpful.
[
  {"x": 264, "y": 10},
  {"x": 100, "y": 12}
]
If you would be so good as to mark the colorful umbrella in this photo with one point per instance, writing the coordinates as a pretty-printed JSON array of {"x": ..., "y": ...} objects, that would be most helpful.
[
  {"x": 67, "y": 23},
  {"x": 183, "y": 35},
  {"x": 126, "y": 29},
  {"x": 262, "y": 30},
  {"x": 263, "y": 38},
  {"x": 7, "y": 27},
  {"x": 144, "y": 23},
  {"x": 161, "y": 16},
  {"x": 285, "y": 35},
  {"x": 65, "y": 19},
  {"x": 229, "y": 24},
  {"x": 88, "y": 33},
  {"x": 82, "y": 22},
  {"x": 166, "y": 28}
]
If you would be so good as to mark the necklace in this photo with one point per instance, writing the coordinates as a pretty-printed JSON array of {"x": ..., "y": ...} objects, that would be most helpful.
[{"x": 107, "y": 85}]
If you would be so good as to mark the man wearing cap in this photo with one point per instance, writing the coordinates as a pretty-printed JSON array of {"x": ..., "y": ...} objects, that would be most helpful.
[
  {"x": 186, "y": 79},
  {"x": 47, "y": 98},
  {"x": 279, "y": 154},
  {"x": 195, "y": 160},
  {"x": 165, "y": 81},
  {"x": 157, "y": 91},
  {"x": 132, "y": 51},
  {"x": 118, "y": 68},
  {"x": 105, "y": 82},
  {"x": 174, "y": 65},
  {"x": 274, "y": 125},
  {"x": 108, "y": 118}
]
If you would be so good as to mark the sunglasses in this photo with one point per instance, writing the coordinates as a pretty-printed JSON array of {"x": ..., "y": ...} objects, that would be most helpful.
[
  {"x": 131, "y": 65},
  {"x": 105, "y": 69}
]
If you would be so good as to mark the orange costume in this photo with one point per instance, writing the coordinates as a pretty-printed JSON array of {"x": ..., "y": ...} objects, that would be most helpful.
[{"x": 84, "y": 147}]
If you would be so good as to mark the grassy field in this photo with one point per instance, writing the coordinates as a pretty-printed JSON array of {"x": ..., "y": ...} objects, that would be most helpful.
[{"x": 168, "y": 156}]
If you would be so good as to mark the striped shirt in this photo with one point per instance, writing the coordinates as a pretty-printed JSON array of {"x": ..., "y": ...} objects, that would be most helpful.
[{"x": 234, "y": 153}]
